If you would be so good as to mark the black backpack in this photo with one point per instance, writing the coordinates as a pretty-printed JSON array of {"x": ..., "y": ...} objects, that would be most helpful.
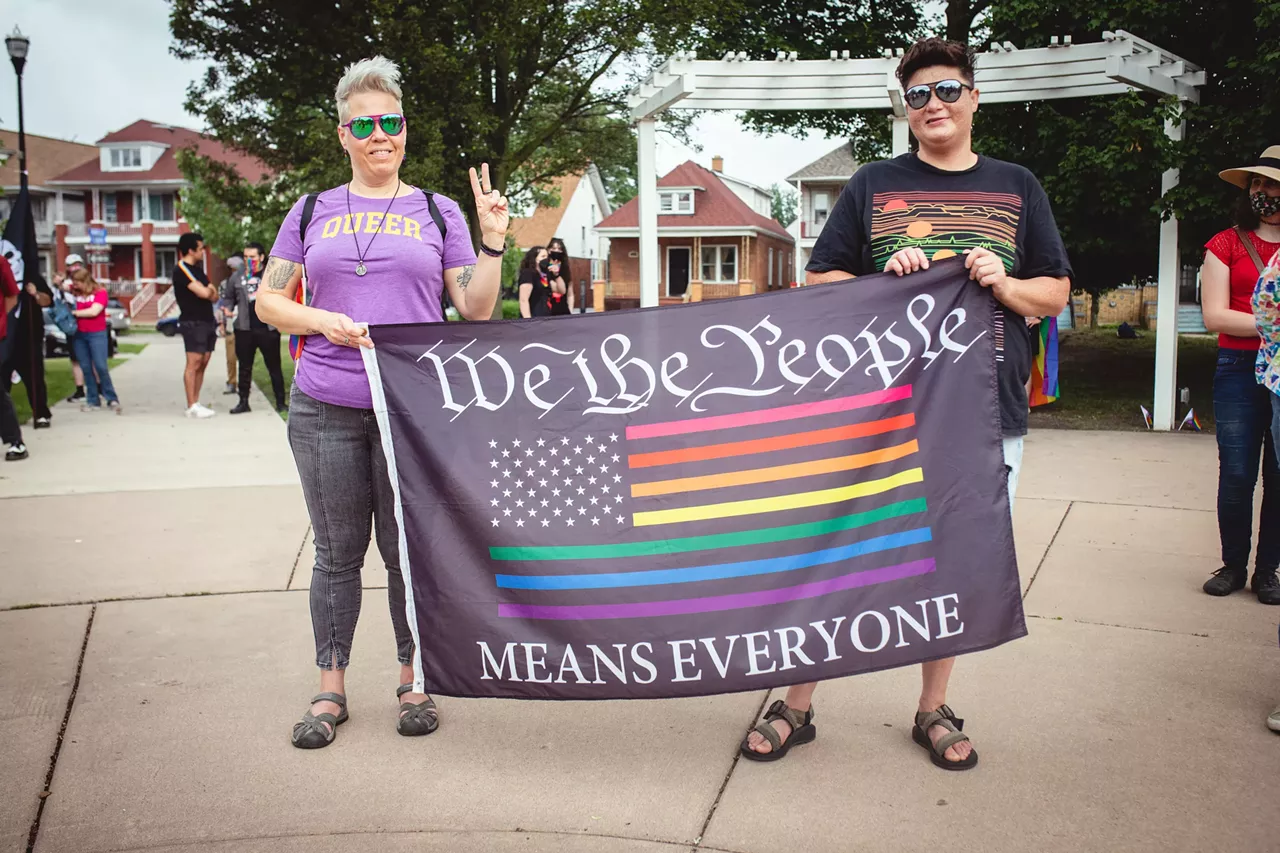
[{"x": 309, "y": 209}]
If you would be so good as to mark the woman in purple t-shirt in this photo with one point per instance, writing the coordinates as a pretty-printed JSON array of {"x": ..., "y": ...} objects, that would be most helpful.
[{"x": 373, "y": 254}]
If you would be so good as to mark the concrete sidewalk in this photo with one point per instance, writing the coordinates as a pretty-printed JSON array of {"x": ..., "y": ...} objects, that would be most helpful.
[{"x": 176, "y": 647}]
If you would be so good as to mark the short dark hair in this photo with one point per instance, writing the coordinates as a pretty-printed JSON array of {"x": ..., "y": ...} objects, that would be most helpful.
[
  {"x": 934, "y": 51},
  {"x": 189, "y": 242},
  {"x": 256, "y": 245}
]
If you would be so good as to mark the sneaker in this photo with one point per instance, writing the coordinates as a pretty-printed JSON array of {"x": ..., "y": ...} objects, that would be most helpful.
[
  {"x": 16, "y": 452},
  {"x": 1226, "y": 581},
  {"x": 1273, "y": 722},
  {"x": 230, "y": 389},
  {"x": 199, "y": 411},
  {"x": 79, "y": 395},
  {"x": 85, "y": 407},
  {"x": 1267, "y": 587},
  {"x": 114, "y": 406},
  {"x": 281, "y": 406},
  {"x": 41, "y": 423},
  {"x": 241, "y": 408}
]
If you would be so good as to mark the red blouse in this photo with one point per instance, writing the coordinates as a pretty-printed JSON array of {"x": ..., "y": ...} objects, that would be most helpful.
[{"x": 1226, "y": 246}]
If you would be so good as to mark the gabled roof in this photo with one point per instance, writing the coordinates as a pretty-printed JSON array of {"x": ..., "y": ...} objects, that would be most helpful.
[
  {"x": 166, "y": 168},
  {"x": 46, "y": 158},
  {"x": 714, "y": 206},
  {"x": 538, "y": 229},
  {"x": 839, "y": 163}
]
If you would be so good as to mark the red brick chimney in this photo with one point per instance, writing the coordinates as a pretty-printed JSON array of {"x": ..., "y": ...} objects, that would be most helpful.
[{"x": 717, "y": 163}]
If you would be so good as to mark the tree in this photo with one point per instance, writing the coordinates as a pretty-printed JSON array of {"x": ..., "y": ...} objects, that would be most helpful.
[
  {"x": 784, "y": 204},
  {"x": 225, "y": 210},
  {"x": 536, "y": 89}
]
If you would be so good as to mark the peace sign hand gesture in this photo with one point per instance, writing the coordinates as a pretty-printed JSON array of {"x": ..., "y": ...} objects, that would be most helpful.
[{"x": 491, "y": 207}]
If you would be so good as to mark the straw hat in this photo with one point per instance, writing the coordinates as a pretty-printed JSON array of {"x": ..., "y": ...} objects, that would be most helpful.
[{"x": 1268, "y": 166}]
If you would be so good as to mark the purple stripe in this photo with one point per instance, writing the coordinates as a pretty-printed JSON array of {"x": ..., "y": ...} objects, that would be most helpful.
[{"x": 737, "y": 601}]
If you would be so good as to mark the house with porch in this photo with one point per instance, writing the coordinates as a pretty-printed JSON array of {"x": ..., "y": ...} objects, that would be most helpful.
[
  {"x": 819, "y": 185},
  {"x": 46, "y": 159},
  {"x": 126, "y": 220},
  {"x": 583, "y": 204},
  {"x": 716, "y": 239}
]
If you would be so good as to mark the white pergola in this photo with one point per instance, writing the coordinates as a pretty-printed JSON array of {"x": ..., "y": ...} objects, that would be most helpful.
[{"x": 1120, "y": 63}]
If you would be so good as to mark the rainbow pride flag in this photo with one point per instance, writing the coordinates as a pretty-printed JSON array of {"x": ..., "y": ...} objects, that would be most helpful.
[
  {"x": 1044, "y": 371},
  {"x": 663, "y": 491}
]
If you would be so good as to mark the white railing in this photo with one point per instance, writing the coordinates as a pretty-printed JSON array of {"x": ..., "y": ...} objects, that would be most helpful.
[
  {"x": 165, "y": 305},
  {"x": 141, "y": 298}
]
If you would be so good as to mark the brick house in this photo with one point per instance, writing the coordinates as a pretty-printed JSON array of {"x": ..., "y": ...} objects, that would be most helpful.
[
  {"x": 131, "y": 188},
  {"x": 716, "y": 239},
  {"x": 46, "y": 159}
]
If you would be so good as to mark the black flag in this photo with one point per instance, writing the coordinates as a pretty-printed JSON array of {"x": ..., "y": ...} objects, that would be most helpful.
[
  {"x": 26, "y": 324},
  {"x": 19, "y": 243}
]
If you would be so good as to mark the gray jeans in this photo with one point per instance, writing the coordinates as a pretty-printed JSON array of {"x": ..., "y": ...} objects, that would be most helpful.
[{"x": 338, "y": 451}]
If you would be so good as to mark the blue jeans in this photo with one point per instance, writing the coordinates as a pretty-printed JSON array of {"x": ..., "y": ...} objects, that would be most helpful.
[
  {"x": 91, "y": 352},
  {"x": 1243, "y": 412}
]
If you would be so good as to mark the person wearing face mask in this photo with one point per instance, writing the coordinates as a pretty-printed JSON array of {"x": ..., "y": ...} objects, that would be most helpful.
[
  {"x": 1233, "y": 263},
  {"x": 533, "y": 288},
  {"x": 561, "y": 280},
  {"x": 251, "y": 334},
  {"x": 376, "y": 251}
]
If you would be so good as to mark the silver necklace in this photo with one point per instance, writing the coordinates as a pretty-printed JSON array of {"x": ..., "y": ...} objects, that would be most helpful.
[{"x": 361, "y": 269}]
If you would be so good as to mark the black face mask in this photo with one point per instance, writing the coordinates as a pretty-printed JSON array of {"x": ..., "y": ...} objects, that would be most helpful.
[
  {"x": 544, "y": 266},
  {"x": 556, "y": 256}
]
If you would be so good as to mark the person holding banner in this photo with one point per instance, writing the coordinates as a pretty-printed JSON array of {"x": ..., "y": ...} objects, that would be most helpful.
[
  {"x": 376, "y": 251},
  {"x": 899, "y": 215}
]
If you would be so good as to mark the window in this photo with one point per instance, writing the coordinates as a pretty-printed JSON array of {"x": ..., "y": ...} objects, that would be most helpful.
[
  {"x": 166, "y": 260},
  {"x": 109, "y": 207},
  {"x": 720, "y": 264},
  {"x": 771, "y": 268},
  {"x": 161, "y": 207},
  {"x": 680, "y": 201},
  {"x": 821, "y": 207},
  {"x": 126, "y": 158}
]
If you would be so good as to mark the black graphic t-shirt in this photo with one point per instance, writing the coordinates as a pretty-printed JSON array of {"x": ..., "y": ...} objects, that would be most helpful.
[{"x": 904, "y": 202}]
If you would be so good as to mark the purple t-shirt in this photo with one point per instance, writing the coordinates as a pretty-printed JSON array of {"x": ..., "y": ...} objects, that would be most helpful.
[{"x": 405, "y": 275}]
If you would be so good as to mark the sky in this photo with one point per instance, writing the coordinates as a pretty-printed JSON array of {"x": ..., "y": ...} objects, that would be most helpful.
[{"x": 95, "y": 66}]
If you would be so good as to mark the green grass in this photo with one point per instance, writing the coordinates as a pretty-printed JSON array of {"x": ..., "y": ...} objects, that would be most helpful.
[
  {"x": 58, "y": 379},
  {"x": 1104, "y": 378},
  {"x": 131, "y": 349}
]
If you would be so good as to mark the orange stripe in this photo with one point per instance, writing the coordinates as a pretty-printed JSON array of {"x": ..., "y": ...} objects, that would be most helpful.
[
  {"x": 777, "y": 472},
  {"x": 765, "y": 445}
]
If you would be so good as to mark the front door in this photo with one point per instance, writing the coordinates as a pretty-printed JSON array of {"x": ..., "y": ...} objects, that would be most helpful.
[{"x": 677, "y": 270}]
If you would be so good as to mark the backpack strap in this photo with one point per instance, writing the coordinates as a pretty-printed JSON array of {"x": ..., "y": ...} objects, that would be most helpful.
[
  {"x": 308, "y": 210},
  {"x": 436, "y": 217},
  {"x": 303, "y": 295}
]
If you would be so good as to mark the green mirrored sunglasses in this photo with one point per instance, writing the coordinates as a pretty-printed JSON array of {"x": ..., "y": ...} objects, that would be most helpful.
[{"x": 361, "y": 127}]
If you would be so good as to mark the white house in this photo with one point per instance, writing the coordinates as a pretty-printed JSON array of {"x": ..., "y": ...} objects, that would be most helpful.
[
  {"x": 819, "y": 185},
  {"x": 583, "y": 204}
]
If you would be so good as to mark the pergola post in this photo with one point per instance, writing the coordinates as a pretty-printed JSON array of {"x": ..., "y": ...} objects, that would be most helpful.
[
  {"x": 647, "y": 193},
  {"x": 901, "y": 136},
  {"x": 1165, "y": 396}
]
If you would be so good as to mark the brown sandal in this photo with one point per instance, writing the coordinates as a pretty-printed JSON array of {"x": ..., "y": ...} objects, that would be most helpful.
[
  {"x": 419, "y": 719},
  {"x": 944, "y": 717},
  {"x": 802, "y": 731}
]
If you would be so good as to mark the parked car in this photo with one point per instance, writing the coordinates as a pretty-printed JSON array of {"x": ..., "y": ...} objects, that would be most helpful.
[
  {"x": 55, "y": 342},
  {"x": 118, "y": 316},
  {"x": 167, "y": 327}
]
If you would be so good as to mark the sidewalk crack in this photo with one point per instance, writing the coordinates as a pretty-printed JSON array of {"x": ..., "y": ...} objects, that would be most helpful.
[
  {"x": 1047, "y": 549},
  {"x": 733, "y": 765}
]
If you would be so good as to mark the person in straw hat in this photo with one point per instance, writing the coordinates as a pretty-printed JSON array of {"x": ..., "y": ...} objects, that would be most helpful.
[{"x": 1234, "y": 260}]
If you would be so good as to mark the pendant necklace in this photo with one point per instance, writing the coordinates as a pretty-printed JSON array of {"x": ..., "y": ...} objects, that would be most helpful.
[{"x": 361, "y": 269}]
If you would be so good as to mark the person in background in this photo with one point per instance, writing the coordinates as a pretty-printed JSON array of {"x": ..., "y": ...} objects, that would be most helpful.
[
  {"x": 250, "y": 332},
  {"x": 62, "y": 290},
  {"x": 199, "y": 330},
  {"x": 532, "y": 281},
  {"x": 227, "y": 311},
  {"x": 26, "y": 346},
  {"x": 1266, "y": 314},
  {"x": 562, "y": 293},
  {"x": 10, "y": 432},
  {"x": 91, "y": 342},
  {"x": 1233, "y": 262}
]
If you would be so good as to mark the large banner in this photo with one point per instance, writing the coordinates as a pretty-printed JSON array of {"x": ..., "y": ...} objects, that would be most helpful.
[{"x": 722, "y": 496}]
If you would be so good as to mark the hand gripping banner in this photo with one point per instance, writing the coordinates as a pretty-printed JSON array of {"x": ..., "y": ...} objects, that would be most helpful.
[{"x": 723, "y": 496}]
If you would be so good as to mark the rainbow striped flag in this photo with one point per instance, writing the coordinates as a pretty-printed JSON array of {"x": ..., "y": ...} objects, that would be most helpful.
[{"x": 1044, "y": 370}]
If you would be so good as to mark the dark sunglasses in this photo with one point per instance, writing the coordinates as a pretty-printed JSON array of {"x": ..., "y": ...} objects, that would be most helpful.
[
  {"x": 361, "y": 127},
  {"x": 948, "y": 91}
]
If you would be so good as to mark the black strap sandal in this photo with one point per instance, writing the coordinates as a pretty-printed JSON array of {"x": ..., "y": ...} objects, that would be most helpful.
[
  {"x": 416, "y": 720},
  {"x": 944, "y": 717},
  {"x": 802, "y": 731},
  {"x": 319, "y": 730}
]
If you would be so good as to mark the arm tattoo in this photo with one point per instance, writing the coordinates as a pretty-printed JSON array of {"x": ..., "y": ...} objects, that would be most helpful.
[
  {"x": 464, "y": 276},
  {"x": 278, "y": 273}
]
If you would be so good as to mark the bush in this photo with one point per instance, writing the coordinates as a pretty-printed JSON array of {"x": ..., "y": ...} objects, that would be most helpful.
[{"x": 510, "y": 309}]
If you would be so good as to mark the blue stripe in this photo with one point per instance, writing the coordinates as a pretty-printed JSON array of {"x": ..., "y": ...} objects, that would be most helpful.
[{"x": 721, "y": 571}]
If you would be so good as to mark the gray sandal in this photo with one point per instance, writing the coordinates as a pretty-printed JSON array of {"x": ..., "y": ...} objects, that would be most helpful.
[
  {"x": 419, "y": 719},
  {"x": 937, "y": 753},
  {"x": 319, "y": 730},
  {"x": 802, "y": 731}
]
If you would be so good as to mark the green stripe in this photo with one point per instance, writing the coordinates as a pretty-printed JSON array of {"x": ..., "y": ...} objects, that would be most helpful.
[{"x": 713, "y": 541}]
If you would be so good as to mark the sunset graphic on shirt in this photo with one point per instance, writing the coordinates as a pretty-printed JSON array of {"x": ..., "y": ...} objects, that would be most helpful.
[{"x": 944, "y": 224}]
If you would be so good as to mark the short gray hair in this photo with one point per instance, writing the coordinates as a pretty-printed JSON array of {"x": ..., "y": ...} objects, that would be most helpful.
[{"x": 378, "y": 74}]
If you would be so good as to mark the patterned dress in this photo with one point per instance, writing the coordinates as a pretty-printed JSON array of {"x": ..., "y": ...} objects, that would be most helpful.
[{"x": 1266, "y": 311}]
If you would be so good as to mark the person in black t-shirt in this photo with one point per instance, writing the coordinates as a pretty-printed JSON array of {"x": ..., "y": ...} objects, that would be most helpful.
[
  {"x": 532, "y": 283},
  {"x": 899, "y": 215},
  {"x": 251, "y": 334},
  {"x": 195, "y": 298}
]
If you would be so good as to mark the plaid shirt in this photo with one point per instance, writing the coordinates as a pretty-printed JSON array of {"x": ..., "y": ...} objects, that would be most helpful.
[{"x": 1266, "y": 311}]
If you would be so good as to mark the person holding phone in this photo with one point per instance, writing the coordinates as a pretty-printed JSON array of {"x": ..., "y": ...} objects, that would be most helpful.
[{"x": 561, "y": 278}]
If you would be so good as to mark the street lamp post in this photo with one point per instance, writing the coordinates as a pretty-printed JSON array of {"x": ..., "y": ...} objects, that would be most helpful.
[{"x": 17, "y": 45}]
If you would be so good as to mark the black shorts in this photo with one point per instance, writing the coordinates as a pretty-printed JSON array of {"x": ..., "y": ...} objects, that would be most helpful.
[{"x": 199, "y": 336}]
